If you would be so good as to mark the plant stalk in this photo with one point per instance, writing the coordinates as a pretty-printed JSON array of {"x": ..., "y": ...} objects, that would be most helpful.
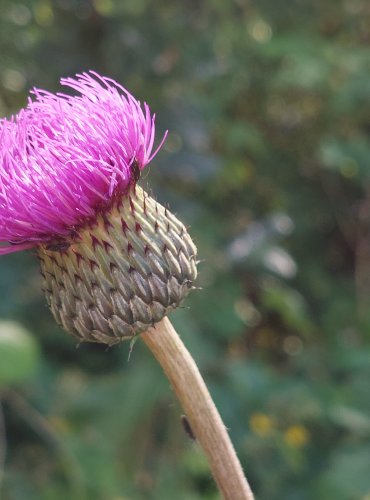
[{"x": 200, "y": 410}]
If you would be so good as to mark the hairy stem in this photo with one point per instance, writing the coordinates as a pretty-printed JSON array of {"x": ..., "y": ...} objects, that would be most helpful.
[{"x": 200, "y": 410}]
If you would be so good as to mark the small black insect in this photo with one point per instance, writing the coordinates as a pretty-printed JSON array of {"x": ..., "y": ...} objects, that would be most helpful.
[
  {"x": 58, "y": 246},
  {"x": 187, "y": 427},
  {"x": 136, "y": 173}
]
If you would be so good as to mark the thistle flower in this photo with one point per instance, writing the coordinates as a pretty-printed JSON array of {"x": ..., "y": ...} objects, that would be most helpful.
[{"x": 113, "y": 260}]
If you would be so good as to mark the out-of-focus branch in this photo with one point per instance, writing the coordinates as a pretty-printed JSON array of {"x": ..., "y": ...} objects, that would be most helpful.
[{"x": 42, "y": 427}]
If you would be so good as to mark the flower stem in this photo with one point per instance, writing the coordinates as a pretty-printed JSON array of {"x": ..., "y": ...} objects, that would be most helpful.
[{"x": 201, "y": 412}]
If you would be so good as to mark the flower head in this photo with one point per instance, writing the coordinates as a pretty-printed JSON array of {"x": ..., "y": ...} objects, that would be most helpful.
[
  {"x": 65, "y": 158},
  {"x": 113, "y": 260}
]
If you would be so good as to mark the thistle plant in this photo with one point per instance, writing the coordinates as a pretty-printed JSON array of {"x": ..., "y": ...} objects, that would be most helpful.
[{"x": 114, "y": 262}]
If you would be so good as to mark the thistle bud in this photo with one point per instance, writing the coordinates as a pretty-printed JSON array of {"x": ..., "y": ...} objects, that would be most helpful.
[{"x": 121, "y": 274}]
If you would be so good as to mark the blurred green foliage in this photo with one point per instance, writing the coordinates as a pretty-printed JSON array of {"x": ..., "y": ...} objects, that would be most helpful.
[
  {"x": 18, "y": 353},
  {"x": 268, "y": 107}
]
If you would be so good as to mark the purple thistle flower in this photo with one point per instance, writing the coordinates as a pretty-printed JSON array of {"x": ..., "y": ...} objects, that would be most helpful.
[
  {"x": 63, "y": 159},
  {"x": 113, "y": 260}
]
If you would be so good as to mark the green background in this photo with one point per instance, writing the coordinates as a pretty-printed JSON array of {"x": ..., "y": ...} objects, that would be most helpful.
[{"x": 267, "y": 159}]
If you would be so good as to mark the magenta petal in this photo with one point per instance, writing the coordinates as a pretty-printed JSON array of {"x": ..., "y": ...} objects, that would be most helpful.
[{"x": 16, "y": 248}]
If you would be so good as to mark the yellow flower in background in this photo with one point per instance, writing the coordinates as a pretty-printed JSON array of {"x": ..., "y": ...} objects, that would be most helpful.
[
  {"x": 297, "y": 436},
  {"x": 261, "y": 424}
]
